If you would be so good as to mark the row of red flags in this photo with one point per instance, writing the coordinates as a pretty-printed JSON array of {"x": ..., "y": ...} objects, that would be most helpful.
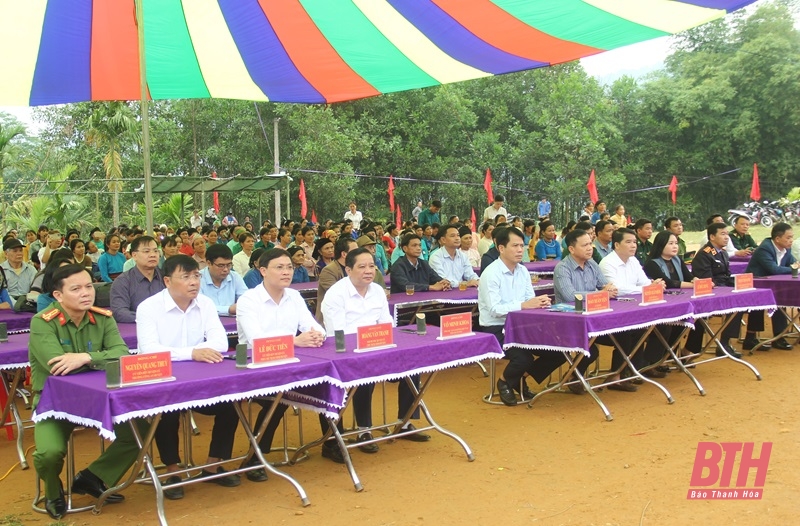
[{"x": 591, "y": 186}]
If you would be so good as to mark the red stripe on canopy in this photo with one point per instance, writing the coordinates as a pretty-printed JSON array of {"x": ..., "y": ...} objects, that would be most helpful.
[
  {"x": 115, "y": 52},
  {"x": 518, "y": 38},
  {"x": 312, "y": 54}
]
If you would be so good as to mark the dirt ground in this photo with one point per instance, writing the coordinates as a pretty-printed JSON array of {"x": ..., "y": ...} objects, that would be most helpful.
[{"x": 558, "y": 463}]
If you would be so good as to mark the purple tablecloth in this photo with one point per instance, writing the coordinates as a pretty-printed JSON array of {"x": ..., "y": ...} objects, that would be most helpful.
[
  {"x": 308, "y": 285},
  {"x": 738, "y": 267},
  {"x": 725, "y": 301},
  {"x": 571, "y": 331},
  {"x": 84, "y": 399},
  {"x": 785, "y": 289},
  {"x": 414, "y": 354},
  {"x": 14, "y": 352},
  {"x": 542, "y": 267},
  {"x": 16, "y": 321}
]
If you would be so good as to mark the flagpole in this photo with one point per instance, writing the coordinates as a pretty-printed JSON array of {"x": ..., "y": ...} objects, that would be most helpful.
[{"x": 148, "y": 188}]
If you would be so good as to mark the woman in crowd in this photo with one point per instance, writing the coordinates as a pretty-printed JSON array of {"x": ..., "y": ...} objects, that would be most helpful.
[
  {"x": 45, "y": 297},
  {"x": 619, "y": 218},
  {"x": 93, "y": 251},
  {"x": 485, "y": 242},
  {"x": 78, "y": 248},
  {"x": 253, "y": 277},
  {"x": 323, "y": 253},
  {"x": 199, "y": 246},
  {"x": 466, "y": 246},
  {"x": 548, "y": 246},
  {"x": 664, "y": 263},
  {"x": 529, "y": 233},
  {"x": 298, "y": 256},
  {"x": 567, "y": 229},
  {"x": 307, "y": 244},
  {"x": 112, "y": 261}
]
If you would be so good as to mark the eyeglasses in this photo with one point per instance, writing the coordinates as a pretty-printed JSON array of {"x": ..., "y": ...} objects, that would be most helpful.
[{"x": 223, "y": 266}]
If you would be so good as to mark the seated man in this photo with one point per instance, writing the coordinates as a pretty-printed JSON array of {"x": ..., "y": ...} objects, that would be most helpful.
[
  {"x": 644, "y": 231},
  {"x": 730, "y": 249},
  {"x": 19, "y": 274},
  {"x": 56, "y": 348},
  {"x": 334, "y": 271},
  {"x": 450, "y": 262},
  {"x": 740, "y": 237},
  {"x": 219, "y": 283},
  {"x": 711, "y": 261},
  {"x": 413, "y": 270},
  {"x": 139, "y": 283},
  {"x": 773, "y": 257},
  {"x": 353, "y": 302},
  {"x": 603, "y": 243},
  {"x": 274, "y": 309},
  {"x": 505, "y": 286},
  {"x": 184, "y": 322}
]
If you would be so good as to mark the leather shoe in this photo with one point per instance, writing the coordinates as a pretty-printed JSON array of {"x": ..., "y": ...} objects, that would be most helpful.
[
  {"x": 627, "y": 387},
  {"x": 87, "y": 483},
  {"x": 733, "y": 352},
  {"x": 506, "y": 394},
  {"x": 526, "y": 393},
  {"x": 57, "y": 507},
  {"x": 367, "y": 448},
  {"x": 229, "y": 481},
  {"x": 782, "y": 344},
  {"x": 749, "y": 343},
  {"x": 172, "y": 493},
  {"x": 576, "y": 388},
  {"x": 416, "y": 437},
  {"x": 332, "y": 452},
  {"x": 654, "y": 373},
  {"x": 256, "y": 475}
]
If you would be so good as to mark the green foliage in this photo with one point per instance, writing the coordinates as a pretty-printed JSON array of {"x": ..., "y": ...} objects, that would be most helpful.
[{"x": 55, "y": 206}]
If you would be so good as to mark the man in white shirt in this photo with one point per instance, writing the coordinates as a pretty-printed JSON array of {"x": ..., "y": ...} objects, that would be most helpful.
[
  {"x": 451, "y": 263},
  {"x": 274, "y": 309},
  {"x": 196, "y": 221},
  {"x": 354, "y": 216},
  {"x": 184, "y": 322},
  {"x": 622, "y": 268},
  {"x": 495, "y": 209},
  {"x": 505, "y": 286},
  {"x": 351, "y": 303}
]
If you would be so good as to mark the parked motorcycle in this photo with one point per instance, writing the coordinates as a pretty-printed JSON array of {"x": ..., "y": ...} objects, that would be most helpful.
[{"x": 756, "y": 212}]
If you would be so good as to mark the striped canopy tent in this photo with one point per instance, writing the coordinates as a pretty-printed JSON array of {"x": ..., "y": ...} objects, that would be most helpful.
[{"x": 305, "y": 51}]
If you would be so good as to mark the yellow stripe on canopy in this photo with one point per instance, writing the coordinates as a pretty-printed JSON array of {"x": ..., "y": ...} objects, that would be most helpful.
[
  {"x": 415, "y": 45},
  {"x": 20, "y": 32},
  {"x": 222, "y": 66},
  {"x": 664, "y": 15}
]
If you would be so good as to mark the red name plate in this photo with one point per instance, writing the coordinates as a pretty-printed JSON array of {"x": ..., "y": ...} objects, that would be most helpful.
[
  {"x": 272, "y": 349},
  {"x": 140, "y": 368},
  {"x": 377, "y": 336},
  {"x": 743, "y": 282},
  {"x": 455, "y": 325},
  {"x": 597, "y": 302},
  {"x": 653, "y": 293},
  {"x": 703, "y": 287}
]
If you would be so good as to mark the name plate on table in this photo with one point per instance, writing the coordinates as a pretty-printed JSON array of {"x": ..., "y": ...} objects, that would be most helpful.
[
  {"x": 652, "y": 294},
  {"x": 703, "y": 287},
  {"x": 597, "y": 302},
  {"x": 275, "y": 350},
  {"x": 743, "y": 282},
  {"x": 374, "y": 337},
  {"x": 455, "y": 326},
  {"x": 139, "y": 369}
]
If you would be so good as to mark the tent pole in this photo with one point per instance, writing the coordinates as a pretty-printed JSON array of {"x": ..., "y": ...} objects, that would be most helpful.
[
  {"x": 148, "y": 188},
  {"x": 276, "y": 169}
]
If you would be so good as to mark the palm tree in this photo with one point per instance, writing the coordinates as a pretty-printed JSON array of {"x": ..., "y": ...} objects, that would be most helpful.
[
  {"x": 173, "y": 210},
  {"x": 56, "y": 207},
  {"x": 11, "y": 156},
  {"x": 112, "y": 128}
]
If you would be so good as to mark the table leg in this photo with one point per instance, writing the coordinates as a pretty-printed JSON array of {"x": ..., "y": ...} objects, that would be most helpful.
[
  {"x": 627, "y": 358},
  {"x": 674, "y": 357},
  {"x": 11, "y": 407},
  {"x": 715, "y": 338},
  {"x": 792, "y": 328}
]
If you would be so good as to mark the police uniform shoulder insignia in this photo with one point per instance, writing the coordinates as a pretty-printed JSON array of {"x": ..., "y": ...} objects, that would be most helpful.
[
  {"x": 51, "y": 314},
  {"x": 708, "y": 250},
  {"x": 100, "y": 310}
]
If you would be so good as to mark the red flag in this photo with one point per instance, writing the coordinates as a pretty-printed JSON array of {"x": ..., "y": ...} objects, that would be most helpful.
[
  {"x": 755, "y": 189},
  {"x": 673, "y": 189},
  {"x": 399, "y": 219},
  {"x": 487, "y": 185},
  {"x": 314, "y": 216},
  {"x": 472, "y": 217},
  {"x": 592, "y": 187},
  {"x": 216, "y": 194},
  {"x": 391, "y": 193},
  {"x": 302, "y": 196}
]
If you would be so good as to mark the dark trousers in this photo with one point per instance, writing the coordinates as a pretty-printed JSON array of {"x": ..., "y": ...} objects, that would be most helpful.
[
  {"x": 362, "y": 404},
  {"x": 522, "y": 361},
  {"x": 265, "y": 442},
  {"x": 626, "y": 341},
  {"x": 755, "y": 322},
  {"x": 695, "y": 341},
  {"x": 222, "y": 434},
  {"x": 655, "y": 350}
]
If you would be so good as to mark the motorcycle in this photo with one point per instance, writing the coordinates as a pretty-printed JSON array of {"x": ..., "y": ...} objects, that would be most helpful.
[{"x": 756, "y": 212}]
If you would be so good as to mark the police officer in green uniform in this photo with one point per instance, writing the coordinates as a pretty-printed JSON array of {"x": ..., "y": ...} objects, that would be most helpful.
[
  {"x": 71, "y": 337},
  {"x": 644, "y": 231}
]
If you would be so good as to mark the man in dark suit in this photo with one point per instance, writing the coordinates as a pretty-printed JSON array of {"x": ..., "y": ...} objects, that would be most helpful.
[
  {"x": 772, "y": 257},
  {"x": 712, "y": 262}
]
